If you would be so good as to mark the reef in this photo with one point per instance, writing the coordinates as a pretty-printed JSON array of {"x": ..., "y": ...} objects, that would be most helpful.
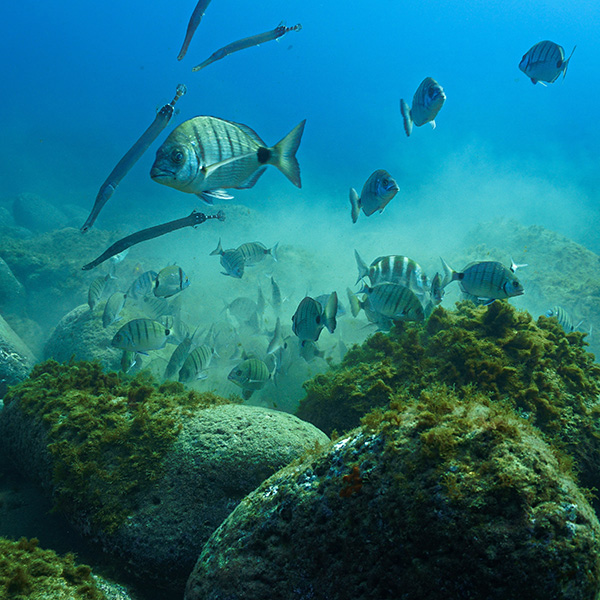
[
  {"x": 545, "y": 374},
  {"x": 443, "y": 495},
  {"x": 28, "y": 572}
]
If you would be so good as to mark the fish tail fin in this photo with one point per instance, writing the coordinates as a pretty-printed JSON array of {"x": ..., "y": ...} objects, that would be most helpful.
[
  {"x": 566, "y": 63},
  {"x": 273, "y": 251},
  {"x": 284, "y": 154},
  {"x": 218, "y": 249},
  {"x": 363, "y": 270},
  {"x": 354, "y": 302},
  {"x": 331, "y": 309},
  {"x": 408, "y": 122},
  {"x": 355, "y": 204},
  {"x": 449, "y": 275}
]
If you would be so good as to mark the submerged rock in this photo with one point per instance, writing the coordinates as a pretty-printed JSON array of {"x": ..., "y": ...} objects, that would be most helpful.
[
  {"x": 12, "y": 292},
  {"x": 148, "y": 472},
  {"x": 444, "y": 497},
  {"x": 36, "y": 214},
  {"x": 16, "y": 360}
]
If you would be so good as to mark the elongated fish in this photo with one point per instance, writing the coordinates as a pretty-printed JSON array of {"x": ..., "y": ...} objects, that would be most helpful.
[
  {"x": 141, "y": 335},
  {"x": 247, "y": 42},
  {"x": 192, "y": 26},
  {"x": 206, "y": 155},
  {"x": 544, "y": 62},
  {"x": 427, "y": 102},
  {"x": 376, "y": 194}
]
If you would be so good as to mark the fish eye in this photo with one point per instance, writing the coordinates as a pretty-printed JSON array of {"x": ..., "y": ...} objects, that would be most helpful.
[
  {"x": 385, "y": 182},
  {"x": 177, "y": 156},
  {"x": 515, "y": 284}
]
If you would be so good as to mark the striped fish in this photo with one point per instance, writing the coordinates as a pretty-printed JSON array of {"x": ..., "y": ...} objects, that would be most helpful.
[
  {"x": 113, "y": 307},
  {"x": 97, "y": 289},
  {"x": 195, "y": 364},
  {"x": 254, "y": 252},
  {"x": 563, "y": 317},
  {"x": 487, "y": 279},
  {"x": 231, "y": 260},
  {"x": 310, "y": 317},
  {"x": 178, "y": 357},
  {"x": 129, "y": 360},
  {"x": 394, "y": 301},
  {"x": 376, "y": 194},
  {"x": 427, "y": 102},
  {"x": 142, "y": 285},
  {"x": 394, "y": 268},
  {"x": 170, "y": 281},
  {"x": 251, "y": 375},
  {"x": 275, "y": 295},
  {"x": 544, "y": 62},
  {"x": 206, "y": 155},
  {"x": 141, "y": 335}
]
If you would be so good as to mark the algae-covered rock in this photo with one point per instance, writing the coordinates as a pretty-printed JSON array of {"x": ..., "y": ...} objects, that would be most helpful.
[
  {"x": 446, "y": 497},
  {"x": 16, "y": 359},
  {"x": 12, "y": 292},
  {"x": 28, "y": 572},
  {"x": 546, "y": 374},
  {"x": 37, "y": 214},
  {"x": 146, "y": 471}
]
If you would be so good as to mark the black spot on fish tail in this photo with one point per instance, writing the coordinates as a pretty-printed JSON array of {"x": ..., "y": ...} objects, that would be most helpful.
[{"x": 263, "y": 155}]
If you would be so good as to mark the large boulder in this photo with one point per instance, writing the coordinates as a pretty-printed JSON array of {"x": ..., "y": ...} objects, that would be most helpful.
[
  {"x": 12, "y": 292},
  {"x": 147, "y": 472},
  {"x": 448, "y": 497},
  {"x": 16, "y": 359},
  {"x": 36, "y": 214}
]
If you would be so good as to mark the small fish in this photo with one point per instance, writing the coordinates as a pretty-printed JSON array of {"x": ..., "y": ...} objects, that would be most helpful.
[
  {"x": 129, "y": 360},
  {"x": 487, "y": 279},
  {"x": 427, "y": 102},
  {"x": 437, "y": 290},
  {"x": 206, "y": 155},
  {"x": 97, "y": 288},
  {"x": 310, "y": 317},
  {"x": 231, "y": 260},
  {"x": 277, "y": 340},
  {"x": 113, "y": 307},
  {"x": 178, "y": 357},
  {"x": 309, "y": 350},
  {"x": 394, "y": 268},
  {"x": 394, "y": 301},
  {"x": 142, "y": 285},
  {"x": 376, "y": 194},
  {"x": 254, "y": 252},
  {"x": 544, "y": 62},
  {"x": 251, "y": 375},
  {"x": 195, "y": 364},
  {"x": 261, "y": 303},
  {"x": 141, "y": 335},
  {"x": 170, "y": 281},
  {"x": 563, "y": 317},
  {"x": 275, "y": 295}
]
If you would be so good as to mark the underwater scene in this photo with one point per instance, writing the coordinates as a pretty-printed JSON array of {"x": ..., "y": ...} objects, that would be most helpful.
[{"x": 300, "y": 301}]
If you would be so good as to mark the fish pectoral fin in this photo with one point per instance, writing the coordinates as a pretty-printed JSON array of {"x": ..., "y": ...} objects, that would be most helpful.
[
  {"x": 209, "y": 196},
  {"x": 432, "y": 123}
]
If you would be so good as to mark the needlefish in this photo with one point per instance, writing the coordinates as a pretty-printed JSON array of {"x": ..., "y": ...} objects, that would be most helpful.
[
  {"x": 206, "y": 155},
  {"x": 247, "y": 42},
  {"x": 108, "y": 188},
  {"x": 192, "y": 26}
]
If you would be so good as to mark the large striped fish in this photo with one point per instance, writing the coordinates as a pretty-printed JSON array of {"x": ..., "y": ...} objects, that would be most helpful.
[
  {"x": 394, "y": 301},
  {"x": 310, "y": 317},
  {"x": 427, "y": 102},
  {"x": 206, "y": 155},
  {"x": 486, "y": 279},
  {"x": 545, "y": 62},
  {"x": 251, "y": 375},
  {"x": 141, "y": 335}
]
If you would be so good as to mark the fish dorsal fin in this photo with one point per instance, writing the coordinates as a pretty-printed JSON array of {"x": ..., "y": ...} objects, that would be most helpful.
[{"x": 250, "y": 133}]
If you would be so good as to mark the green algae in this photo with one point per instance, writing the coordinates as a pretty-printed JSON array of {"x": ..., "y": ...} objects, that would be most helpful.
[
  {"x": 106, "y": 434},
  {"x": 545, "y": 375},
  {"x": 27, "y": 571}
]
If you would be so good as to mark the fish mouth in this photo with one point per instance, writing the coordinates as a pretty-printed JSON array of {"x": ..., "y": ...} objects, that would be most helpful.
[{"x": 160, "y": 173}]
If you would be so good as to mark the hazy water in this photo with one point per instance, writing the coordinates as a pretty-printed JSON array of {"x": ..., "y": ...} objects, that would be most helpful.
[{"x": 82, "y": 82}]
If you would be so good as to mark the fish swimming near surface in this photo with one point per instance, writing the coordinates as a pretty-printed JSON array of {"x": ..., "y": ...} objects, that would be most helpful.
[
  {"x": 544, "y": 62},
  {"x": 310, "y": 318},
  {"x": 207, "y": 155},
  {"x": 394, "y": 301},
  {"x": 486, "y": 279},
  {"x": 113, "y": 307},
  {"x": 251, "y": 375},
  {"x": 232, "y": 260},
  {"x": 141, "y": 335},
  {"x": 427, "y": 102},
  {"x": 170, "y": 281},
  {"x": 377, "y": 192}
]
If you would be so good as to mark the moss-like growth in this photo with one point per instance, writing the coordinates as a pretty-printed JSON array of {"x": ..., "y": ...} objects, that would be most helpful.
[
  {"x": 27, "y": 571},
  {"x": 106, "y": 433},
  {"x": 546, "y": 375}
]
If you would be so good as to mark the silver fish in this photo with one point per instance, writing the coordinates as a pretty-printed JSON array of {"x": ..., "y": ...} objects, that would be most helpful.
[
  {"x": 143, "y": 285},
  {"x": 261, "y": 303},
  {"x": 427, "y": 102},
  {"x": 170, "y": 281},
  {"x": 394, "y": 301},
  {"x": 382, "y": 322},
  {"x": 232, "y": 260},
  {"x": 178, "y": 357},
  {"x": 254, "y": 252},
  {"x": 544, "y": 62},
  {"x": 113, "y": 307},
  {"x": 97, "y": 289},
  {"x": 277, "y": 340},
  {"x": 251, "y": 374},
  {"x": 377, "y": 192},
  {"x": 310, "y": 317},
  {"x": 275, "y": 295},
  {"x": 487, "y": 279},
  {"x": 196, "y": 364},
  {"x": 563, "y": 317},
  {"x": 309, "y": 350},
  {"x": 324, "y": 298},
  {"x": 130, "y": 360},
  {"x": 206, "y": 155},
  {"x": 141, "y": 335}
]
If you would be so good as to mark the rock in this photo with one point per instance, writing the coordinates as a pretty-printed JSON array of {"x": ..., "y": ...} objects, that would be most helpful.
[
  {"x": 445, "y": 497},
  {"x": 12, "y": 292},
  {"x": 36, "y": 214},
  {"x": 16, "y": 360},
  {"x": 147, "y": 472},
  {"x": 6, "y": 218}
]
